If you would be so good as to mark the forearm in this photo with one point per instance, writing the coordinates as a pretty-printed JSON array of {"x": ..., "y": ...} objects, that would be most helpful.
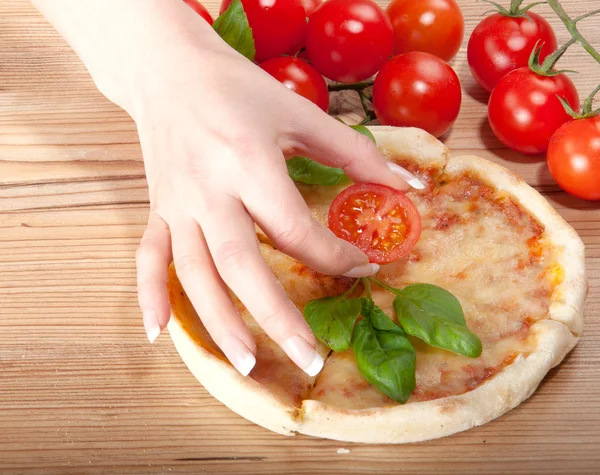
[{"x": 124, "y": 42}]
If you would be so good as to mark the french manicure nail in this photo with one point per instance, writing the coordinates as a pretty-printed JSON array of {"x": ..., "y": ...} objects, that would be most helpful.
[
  {"x": 304, "y": 355},
  {"x": 407, "y": 176},
  {"x": 363, "y": 271},
  {"x": 151, "y": 325},
  {"x": 238, "y": 354}
]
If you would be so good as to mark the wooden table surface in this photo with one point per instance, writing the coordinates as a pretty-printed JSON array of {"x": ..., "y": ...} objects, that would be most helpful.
[{"x": 82, "y": 391}]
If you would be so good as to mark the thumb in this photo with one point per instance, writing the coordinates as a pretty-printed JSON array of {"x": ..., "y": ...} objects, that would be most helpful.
[{"x": 332, "y": 143}]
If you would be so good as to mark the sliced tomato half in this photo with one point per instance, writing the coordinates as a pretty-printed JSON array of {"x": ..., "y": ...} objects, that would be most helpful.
[{"x": 381, "y": 221}]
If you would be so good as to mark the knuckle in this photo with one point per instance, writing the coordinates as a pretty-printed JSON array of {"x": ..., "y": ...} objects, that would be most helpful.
[
  {"x": 186, "y": 265},
  {"x": 230, "y": 256},
  {"x": 268, "y": 320},
  {"x": 293, "y": 237}
]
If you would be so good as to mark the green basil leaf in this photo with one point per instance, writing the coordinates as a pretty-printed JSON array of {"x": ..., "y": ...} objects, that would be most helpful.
[
  {"x": 234, "y": 28},
  {"x": 435, "y": 316},
  {"x": 361, "y": 129},
  {"x": 332, "y": 320},
  {"x": 384, "y": 354},
  {"x": 305, "y": 170}
]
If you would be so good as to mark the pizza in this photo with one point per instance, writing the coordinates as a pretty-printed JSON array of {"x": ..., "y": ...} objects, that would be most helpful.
[{"x": 512, "y": 263}]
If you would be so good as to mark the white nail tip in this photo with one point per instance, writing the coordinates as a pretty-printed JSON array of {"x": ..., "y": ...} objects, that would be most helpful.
[
  {"x": 153, "y": 334},
  {"x": 363, "y": 271},
  {"x": 407, "y": 176},
  {"x": 246, "y": 364},
  {"x": 316, "y": 366},
  {"x": 416, "y": 183}
]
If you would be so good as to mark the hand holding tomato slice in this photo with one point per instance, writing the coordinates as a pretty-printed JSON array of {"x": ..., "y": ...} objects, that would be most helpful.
[{"x": 381, "y": 221}]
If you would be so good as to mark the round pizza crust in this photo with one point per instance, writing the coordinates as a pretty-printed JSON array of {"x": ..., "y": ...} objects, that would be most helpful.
[{"x": 418, "y": 421}]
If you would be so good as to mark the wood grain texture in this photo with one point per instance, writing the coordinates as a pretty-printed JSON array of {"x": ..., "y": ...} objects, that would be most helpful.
[{"x": 81, "y": 391}]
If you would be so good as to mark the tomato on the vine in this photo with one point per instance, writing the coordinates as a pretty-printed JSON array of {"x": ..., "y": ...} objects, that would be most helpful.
[
  {"x": 300, "y": 77},
  {"x": 524, "y": 110},
  {"x": 417, "y": 90},
  {"x": 574, "y": 158},
  {"x": 349, "y": 40},
  {"x": 276, "y": 24},
  {"x": 309, "y": 7},
  {"x": 200, "y": 10},
  {"x": 432, "y": 26},
  {"x": 379, "y": 220},
  {"x": 502, "y": 43}
]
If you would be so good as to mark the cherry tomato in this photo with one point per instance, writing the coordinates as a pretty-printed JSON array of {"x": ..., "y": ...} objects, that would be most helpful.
[
  {"x": 433, "y": 26},
  {"x": 574, "y": 157},
  {"x": 349, "y": 40},
  {"x": 200, "y": 10},
  {"x": 417, "y": 90},
  {"x": 501, "y": 44},
  {"x": 524, "y": 111},
  {"x": 276, "y": 24},
  {"x": 300, "y": 77},
  {"x": 309, "y": 7},
  {"x": 379, "y": 220}
]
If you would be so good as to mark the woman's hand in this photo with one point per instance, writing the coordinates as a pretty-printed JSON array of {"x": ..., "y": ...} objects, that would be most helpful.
[{"x": 215, "y": 130}]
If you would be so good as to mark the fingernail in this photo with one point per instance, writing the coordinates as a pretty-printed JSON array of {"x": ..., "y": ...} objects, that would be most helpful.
[
  {"x": 304, "y": 355},
  {"x": 407, "y": 176},
  {"x": 238, "y": 354},
  {"x": 363, "y": 271},
  {"x": 151, "y": 325}
]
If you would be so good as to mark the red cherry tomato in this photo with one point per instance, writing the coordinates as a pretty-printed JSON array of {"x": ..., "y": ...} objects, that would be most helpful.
[
  {"x": 300, "y": 77},
  {"x": 349, "y": 40},
  {"x": 524, "y": 111},
  {"x": 574, "y": 158},
  {"x": 379, "y": 220},
  {"x": 432, "y": 26},
  {"x": 276, "y": 24},
  {"x": 417, "y": 90},
  {"x": 309, "y": 7},
  {"x": 200, "y": 10},
  {"x": 501, "y": 44}
]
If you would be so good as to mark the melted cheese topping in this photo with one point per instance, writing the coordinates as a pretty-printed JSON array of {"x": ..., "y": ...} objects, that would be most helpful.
[
  {"x": 487, "y": 251},
  {"x": 481, "y": 246}
]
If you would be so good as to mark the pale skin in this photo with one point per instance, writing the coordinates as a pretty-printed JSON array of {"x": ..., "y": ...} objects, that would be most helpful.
[{"x": 215, "y": 131}]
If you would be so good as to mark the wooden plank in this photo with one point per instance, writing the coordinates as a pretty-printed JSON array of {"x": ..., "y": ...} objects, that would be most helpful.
[{"x": 81, "y": 390}]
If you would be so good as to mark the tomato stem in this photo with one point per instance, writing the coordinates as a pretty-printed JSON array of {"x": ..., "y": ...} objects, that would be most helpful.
[
  {"x": 586, "y": 110},
  {"x": 351, "y": 289},
  {"x": 547, "y": 67},
  {"x": 515, "y": 10},
  {"x": 367, "y": 285},
  {"x": 355, "y": 86},
  {"x": 571, "y": 25},
  {"x": 369, "y": 114},
  {"x": 383, "y": 285}
]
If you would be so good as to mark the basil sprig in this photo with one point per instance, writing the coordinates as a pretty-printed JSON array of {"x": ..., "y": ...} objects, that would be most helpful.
[
  {"x": 235, "y": 30},
  {"x": 332, "y": 320},
  {"x": 305, "y": 170},
  {"x": 435, "y": 316},
  {"x": 384, "y": 353}
]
